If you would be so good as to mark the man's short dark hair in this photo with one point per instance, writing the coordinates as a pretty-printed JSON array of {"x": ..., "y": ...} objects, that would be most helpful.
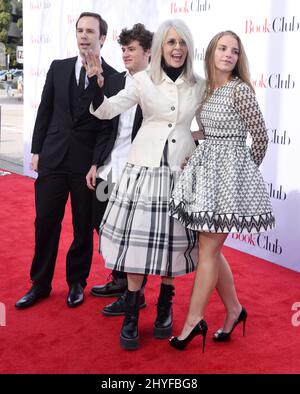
[
  {"x": 137, "y": 33},
  {"x": 102, "y": 23}
]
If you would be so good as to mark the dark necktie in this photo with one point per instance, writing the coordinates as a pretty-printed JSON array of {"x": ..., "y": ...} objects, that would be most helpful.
[{"x": 81, "y": 83}]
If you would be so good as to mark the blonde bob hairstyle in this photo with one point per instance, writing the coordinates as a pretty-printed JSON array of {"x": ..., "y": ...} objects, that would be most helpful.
[
  {"x": 241, "y": 69},
  {"x": 157, "y": 54}
]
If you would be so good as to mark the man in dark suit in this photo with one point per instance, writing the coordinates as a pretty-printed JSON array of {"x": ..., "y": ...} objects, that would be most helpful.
[
  {"x": 135, "y": 44},
  {"x": 64, "y": 145}
]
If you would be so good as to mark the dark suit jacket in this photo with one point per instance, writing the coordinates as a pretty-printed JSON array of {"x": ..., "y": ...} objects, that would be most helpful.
[
  {"x": 56, "y": 132},
  {"x": 114, "y": 84}
]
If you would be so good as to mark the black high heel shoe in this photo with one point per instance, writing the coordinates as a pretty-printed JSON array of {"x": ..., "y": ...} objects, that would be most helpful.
[
  {"x": 199, "y": 329},
  {"x": 221, "y": 336}
]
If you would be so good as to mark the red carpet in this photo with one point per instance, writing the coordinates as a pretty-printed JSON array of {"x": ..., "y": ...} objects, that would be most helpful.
[{"x": 52, "y": 338}]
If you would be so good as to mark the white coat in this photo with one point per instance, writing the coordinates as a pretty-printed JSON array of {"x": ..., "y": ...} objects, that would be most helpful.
[{"x": 168, "y": 110}]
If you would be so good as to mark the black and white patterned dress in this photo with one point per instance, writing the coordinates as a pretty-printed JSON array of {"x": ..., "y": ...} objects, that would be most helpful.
[
  {"x": 137, "y": 233},
  {"x": 221, "y": 189}
]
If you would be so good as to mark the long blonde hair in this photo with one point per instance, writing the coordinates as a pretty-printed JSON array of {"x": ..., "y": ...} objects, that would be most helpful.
[
  {"x": 156, "y": 50},
  {"x": 241, "y": 69}
]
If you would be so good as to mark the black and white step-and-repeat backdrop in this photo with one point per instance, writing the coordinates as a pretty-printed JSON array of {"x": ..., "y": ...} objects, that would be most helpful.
[{"x": 270, "y": 31}]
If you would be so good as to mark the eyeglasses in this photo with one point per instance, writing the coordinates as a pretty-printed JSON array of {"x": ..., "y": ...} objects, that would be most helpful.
[{"x": 172, "y": 43}]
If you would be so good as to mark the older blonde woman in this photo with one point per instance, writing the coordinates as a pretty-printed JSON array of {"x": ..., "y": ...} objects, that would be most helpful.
[{"x": 137, "y": 234}]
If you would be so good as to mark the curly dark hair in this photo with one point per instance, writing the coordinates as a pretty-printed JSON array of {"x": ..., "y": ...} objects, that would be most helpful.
[{"x": 138, "y": 33}]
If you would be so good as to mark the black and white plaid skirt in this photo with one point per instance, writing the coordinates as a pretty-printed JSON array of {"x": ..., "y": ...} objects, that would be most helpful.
[{"x": 137, "y": 234}]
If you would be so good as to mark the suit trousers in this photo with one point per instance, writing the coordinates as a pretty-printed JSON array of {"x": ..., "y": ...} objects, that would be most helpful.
[{"x": 52, "y": 190}]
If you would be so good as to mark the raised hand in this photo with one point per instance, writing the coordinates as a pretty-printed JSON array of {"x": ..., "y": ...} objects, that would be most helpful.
[{"x": 93, "y": 66}]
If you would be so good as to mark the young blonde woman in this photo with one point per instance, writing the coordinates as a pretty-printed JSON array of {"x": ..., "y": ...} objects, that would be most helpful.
[{"x": 221, "y": 189}]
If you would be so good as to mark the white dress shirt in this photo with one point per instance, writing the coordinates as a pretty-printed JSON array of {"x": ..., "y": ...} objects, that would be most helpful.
[
  {"x": 78, "y": 66},
  {"x": 117, "y": 159}
]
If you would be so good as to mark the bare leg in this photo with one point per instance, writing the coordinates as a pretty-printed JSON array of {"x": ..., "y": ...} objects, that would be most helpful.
[
  {"x": 227, "y": 293},
  {"x": 134, "y": 281},
  {"x": 167, "y": 280},
  {"x": 205, "y": 278}
]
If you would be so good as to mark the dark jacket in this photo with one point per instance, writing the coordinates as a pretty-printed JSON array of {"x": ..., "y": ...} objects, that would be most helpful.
[{"x": 57, "y": 132}]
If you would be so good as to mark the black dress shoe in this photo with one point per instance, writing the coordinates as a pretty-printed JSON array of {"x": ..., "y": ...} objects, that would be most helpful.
[
  {"x": 117, "y": 308},
  {"x": 76, "y": 295},
  {"x": 115, "y": 288},
  {"x": 32, "y": 296}
]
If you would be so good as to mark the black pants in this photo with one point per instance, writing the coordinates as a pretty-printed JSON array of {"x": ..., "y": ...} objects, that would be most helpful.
[{"x": 52, "y": 190}]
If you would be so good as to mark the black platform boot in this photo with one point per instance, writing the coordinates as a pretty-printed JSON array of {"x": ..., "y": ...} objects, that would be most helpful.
[
  {"x": 129, "y": 337},
  {"x": 164, "y": 321}
]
